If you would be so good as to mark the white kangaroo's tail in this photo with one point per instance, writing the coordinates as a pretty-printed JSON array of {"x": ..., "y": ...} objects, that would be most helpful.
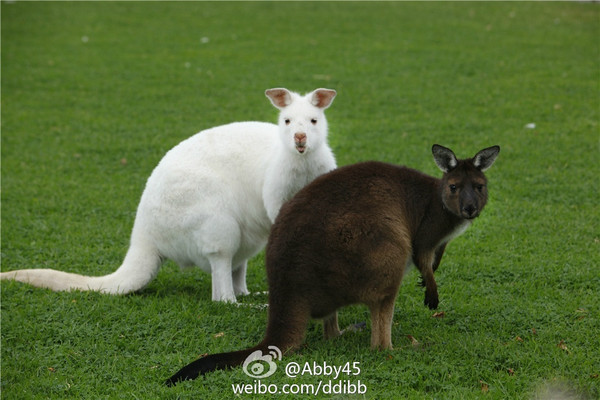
[{"x": 140, "y": 266}]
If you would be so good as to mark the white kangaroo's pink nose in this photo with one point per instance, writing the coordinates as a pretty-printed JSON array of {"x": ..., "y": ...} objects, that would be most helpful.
[{"x": 300, "y": 142}]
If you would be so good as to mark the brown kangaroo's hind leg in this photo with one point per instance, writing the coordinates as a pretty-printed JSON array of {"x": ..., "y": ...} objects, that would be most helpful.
[
  {"x": 331, "y": 327},
  {"x": 382, "y": 314}
]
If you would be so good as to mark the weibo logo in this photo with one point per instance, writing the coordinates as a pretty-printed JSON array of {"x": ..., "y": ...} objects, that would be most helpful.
[{"x": 256, "y": 363}]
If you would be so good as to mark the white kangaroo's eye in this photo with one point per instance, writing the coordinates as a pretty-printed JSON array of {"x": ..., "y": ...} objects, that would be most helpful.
[
  {"x": 313, "y": 121},
  {"x": 287, "y": 121}
]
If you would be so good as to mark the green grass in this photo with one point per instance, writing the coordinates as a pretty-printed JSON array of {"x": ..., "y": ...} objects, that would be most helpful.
[{"x": 93, "y": 94}]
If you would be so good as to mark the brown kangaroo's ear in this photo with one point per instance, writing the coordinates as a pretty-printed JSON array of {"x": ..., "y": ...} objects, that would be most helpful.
[
  {"x": 322, "y": 98},
  {"x": 280, "y": 97},
  {"x": 444, "y": 157},
  {"x": 486, "y": 157}
]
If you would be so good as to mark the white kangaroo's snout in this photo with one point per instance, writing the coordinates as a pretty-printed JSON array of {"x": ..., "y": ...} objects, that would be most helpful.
[{"x": 300, "y": 142}]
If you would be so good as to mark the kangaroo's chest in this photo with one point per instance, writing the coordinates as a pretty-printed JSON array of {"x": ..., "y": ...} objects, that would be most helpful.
[{"x": 456, "y": 232}]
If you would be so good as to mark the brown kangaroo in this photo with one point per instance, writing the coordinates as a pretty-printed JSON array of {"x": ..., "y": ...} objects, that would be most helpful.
[{"x": 349, "y": 236}]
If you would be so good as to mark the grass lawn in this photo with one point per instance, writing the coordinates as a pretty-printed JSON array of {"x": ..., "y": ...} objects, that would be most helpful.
[{"x": 93, "y": 94}]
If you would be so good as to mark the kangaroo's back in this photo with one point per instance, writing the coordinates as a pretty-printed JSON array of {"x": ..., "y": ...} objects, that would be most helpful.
[{"x": 342, "y": 238}]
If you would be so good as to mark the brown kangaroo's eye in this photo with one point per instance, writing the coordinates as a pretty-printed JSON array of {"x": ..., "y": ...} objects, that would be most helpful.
[
  {"x": 287, "y": 121},
  {"x": 313, "y": 121},
  {"x": 452, "y": 188}
]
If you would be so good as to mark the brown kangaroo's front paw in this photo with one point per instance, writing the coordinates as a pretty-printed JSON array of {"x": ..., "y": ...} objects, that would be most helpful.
[{"x": 432, "y": 301}]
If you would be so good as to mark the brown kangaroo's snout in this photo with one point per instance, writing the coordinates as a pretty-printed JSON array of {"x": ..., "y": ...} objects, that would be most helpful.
[
  {"x": 472, "y": 200},
  {"x": 467, "y": 198}
]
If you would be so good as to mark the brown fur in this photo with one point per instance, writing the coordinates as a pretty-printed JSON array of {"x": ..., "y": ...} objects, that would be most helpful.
[{"x": 347, "y": 238}]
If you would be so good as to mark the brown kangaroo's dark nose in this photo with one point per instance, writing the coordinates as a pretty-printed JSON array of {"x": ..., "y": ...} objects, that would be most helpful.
[{"x": 469, "y": 211}]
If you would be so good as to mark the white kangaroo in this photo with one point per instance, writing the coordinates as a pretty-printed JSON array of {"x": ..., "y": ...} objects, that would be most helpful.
[{"x": 212, "y": 199}]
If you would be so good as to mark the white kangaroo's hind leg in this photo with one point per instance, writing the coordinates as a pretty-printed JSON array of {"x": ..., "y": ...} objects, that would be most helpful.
[
  {"x": 239, "y": 279},
  {"x": 220, "y": 239},
  {"x": 222, "y": 280}
]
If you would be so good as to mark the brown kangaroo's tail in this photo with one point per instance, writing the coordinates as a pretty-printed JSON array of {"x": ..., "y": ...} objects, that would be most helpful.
[
  {"x": 285, "y": 332},
  {"x": 210, "y": 363}
]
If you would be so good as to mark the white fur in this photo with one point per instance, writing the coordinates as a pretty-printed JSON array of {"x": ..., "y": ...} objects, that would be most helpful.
[
  {"x": 459, "y": 230},
  {"x": 211, "y": 200}
]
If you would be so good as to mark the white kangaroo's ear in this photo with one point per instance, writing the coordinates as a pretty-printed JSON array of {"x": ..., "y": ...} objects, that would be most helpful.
[
  {"x": 486, "y": 157},
  {"x": 322, "y": 98},
  {"x": 280, "y": 97},
  {"x": 444, "y": 157}
]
